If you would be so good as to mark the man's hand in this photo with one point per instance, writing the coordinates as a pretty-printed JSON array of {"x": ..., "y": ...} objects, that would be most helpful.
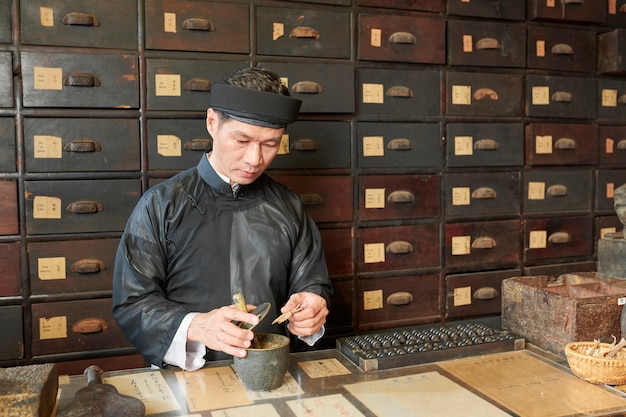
[
  {"x": 311, "y": 318},
  {"x": 217, "y": 330}
]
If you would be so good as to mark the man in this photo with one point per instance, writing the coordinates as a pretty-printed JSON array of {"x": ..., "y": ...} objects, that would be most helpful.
[{"x": 220, "y": 228}]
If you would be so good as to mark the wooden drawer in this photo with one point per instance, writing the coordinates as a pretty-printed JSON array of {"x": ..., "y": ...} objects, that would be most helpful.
[
  {"x": 616, "y": 13},
  {"x": 557, "y": 191},
  {"x": 483, "y": 94},
  {"x": 77, "y": 144},
  {"x": 555, "y": 48},
  {"x": 397, "y": 301},
  {"x": 72, "y": 266},
  {"x": 6, "y": 80},
  {"x": 612, "y": 51},
  {"x": 8, "y": 208},
  {"x": 483, "y": 245},
  {"x": 487, "y": 44},
  {"x": 398, "y": 93},
  {"x": 342, "y": 306},
  {"x": 484, "y": 144},
  {"x": 325, "y": 198},
  {"x": 612, "y": 145},
  {"x": 590, "y": 11},
  {"x": 561, "y": 144},
  {"x": 322, "y": 33},
  {"x": 402, "y": 38},
  {"x": 7, "y": 144},
  {"x": 323, "y": 88},
  {"x": 558, "y": 237},
  {"x": 314, "y": 144},
  {"x": 482, "y": 194},
  {"x": 604, "y": 225},
  {"x": 338, "y": 250},
  {"x": 10, "y": 284},
  {"x": 401, "y": 145},
  {"x": 606, "y": 183},
  {"x": 12, "y": 346},
  {"x": 184, "y": 84},
  {"x": 5, "y": 21},
  {"x": 75, "y": 326},
  {"x": 398, "y": 248},
  {"x": 425, "y": 5},
  {"x": 395, "y": 197},
  {"x": 177, "y": 144},
  {"x": 111, "y": 24},
  {"x": 611, "y": 99},
  {"x": 197, "y": 26},
  {"x": 475, "y": 294},
  {"x": 107, "y": 364},
  {"x": 485, "y": 8},
  {"x": 80, "y": 80},
  {"x": 560, "y": 268},
  {"x": 79, "y": 206},
  {"x": 558, "y": 96},
  {"x": 337, "y": 2}
]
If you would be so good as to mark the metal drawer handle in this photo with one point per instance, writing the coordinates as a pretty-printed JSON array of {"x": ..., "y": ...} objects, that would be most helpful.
[
  {"x": 312, "y": 199},
  {"x": 399, "y": 247},
  {"x": 306, "y": 145},
  {"x": 88, "y": 266},
  {"x": 622, "y": 99},
  {"x": 562, "y": 97},
  {"x": 562, "y": 49},
  {"x": 307, "y": 87},
  {"x": 400, "y": 298},
  {"x": 622, "y": 9},
  {"x": 81, "y": 79},
  {"x": 401, "y": 196},
  {"x": 559, "y": 238},
  {"x": 197, "y": 84},
  {"x": 399, "y": 91},
  {"x": 557, "y": 190},
  {"x": 80, "y": 19},
  {"x": 198, "y": 23},
  {"x": 91, "y": 325},
  {"x": 485, "y": 293},
  {"x": 621, "y": 145},
  {"x": 486, "y": 145},
  {"x": 565, "y": 143},
  {"x": 399, "y": 144},
  {"x": 82, "y": 145},
  {"x": 572, "y": 1},
  {"x": 488, "y": 43},
  {"x": 403, "y": 37},
  {"x": 304, "y": 32},
  {"x": 483, "y": 93},
  {"x": 484, "y": 193},
  {"x": 85, "y": 207},
  {"x": 484, "y": 242},
  {"x": 198, "y": 144}
]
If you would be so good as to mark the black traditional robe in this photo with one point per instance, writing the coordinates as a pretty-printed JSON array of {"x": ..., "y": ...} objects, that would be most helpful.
[{"x": 191, "y": 243}]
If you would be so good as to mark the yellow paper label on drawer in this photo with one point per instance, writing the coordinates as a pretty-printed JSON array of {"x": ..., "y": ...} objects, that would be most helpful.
[
  {"x": 46, "y": 17},
  {"x": 609, "y": 145},
  {"x": 461, "y": 245},
  {"x": 169, "y": 145},
  {"x": 536, "y": 190},
  {"x": 468, "y": 43},
  {"x": 540, "y": 47},
  {"x": 169, "y": 22},
  {"x": 46, "y": 207},
  {"x": 612, "y": 7},
  {"x": 460, "y": 196},
  {"x": 543, "y": 144},
  {"x": 373, "y": 93},
  {"x": 167, "y": 85},
  {"x": 375, "y": 198},
  {"x": 540, "y": 96},
  {"x": 606, "y": 230},
  {"x": 550, "y": 3},
  {"x": 45, "y": 78},
  {"x": 537, "y": 239},
  {"x": 462, "y": 296},
  {"x": 51, "y": 268},
  {"x": 53, "y": 328},
  {"x": 283, "y": 148},
  {"x": 373, "y": 146},
  {"x": 372, "y": 300},
  {"x": 374, "y": 253},
  {"x": 376, "y": 38},
  {"x": 278, "y": 30},
  {"x": 462, "y": 95},
  {"x": 463, "y": 145},
  {"x": 610, "y": 189},
  {"x": 609, "y": 97},
  {"x": 47, "y": 146}
]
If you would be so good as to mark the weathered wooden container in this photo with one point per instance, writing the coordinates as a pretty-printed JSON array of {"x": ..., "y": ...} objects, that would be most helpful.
[{"x": 552, "y": 311}]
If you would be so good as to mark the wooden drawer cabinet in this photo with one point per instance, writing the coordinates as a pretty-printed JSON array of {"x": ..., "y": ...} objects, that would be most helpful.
[
  {"x": 177, "y": 144},
  {"x": 560, "y": 96},
  {"x": 7, "y": 144},
  {"x": 573, "y": 11},
  {"x": 75, "y": 326},
  {"x": 79, "y": 206},
  {"x": 486, "y": 44},
  {"x": 8, "y": 208},
  {"x": 396, "y": 248},
  {"x": 325, "y": 198},
  {"x": 557, "y": 191},
  {"x": 482, "y": 245},
  {"x": 12, "y": 346},
  {"x": 611, "y": 100},
  {"x": 399, "y": 145},
  {"x": 612, "y": 50},
  {"x": 6, "y": 80},
  {"x": 476, "y": 293},
  {"x": 394, "y": 197},
  {"x": 320, "y": 32},
  {"x": 72, "y": 266},
  {"x": 397, "y": 301},
  {"x": 96, "y": 24},
  {"x": 425, "y": 5},
  {"x": 604, "y": 225},
  {"x": 484, "y": 144},
  {"x": 612, "y": 145},
  {"x": 197, "y": 26},
  {"x": 101, "y": 80},
  {"x": 483, "y": 94},
  {"x": 81, "y": 145},
  {"x": 561, "y": 144},
  {"x": 561, "y": 49},
  {"x": 482, "y": 194},
  {"x": 607, "y": 180},
  {"x": 338, "y": 250},
  {"x": 558, "y": 237},
  {"x": 401, "y": 38},
  {"x": 10, "y": 284},
  {"x": 488, "y": 9}
]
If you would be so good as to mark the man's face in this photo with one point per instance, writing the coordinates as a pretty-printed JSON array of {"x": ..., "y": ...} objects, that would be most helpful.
[{"x": 241, "y": 151}]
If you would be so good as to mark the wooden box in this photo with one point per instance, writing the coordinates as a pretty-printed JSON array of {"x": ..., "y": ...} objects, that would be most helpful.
[
  {"x": 484, "y": 144},
  {"x": 552, "y": 311},
  {"x": 561, "y": 49},
  {"x": 557, "y": 238},
  {"x": 611, "y": 99},
  {"x": 483, "y": 94},
  {"x": 560, "y": 96},
  {"x": 561, "y": 144}
]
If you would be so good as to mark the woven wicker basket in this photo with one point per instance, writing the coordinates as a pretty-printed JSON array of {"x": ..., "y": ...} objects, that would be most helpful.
[{"x": 594, "y": 369}]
